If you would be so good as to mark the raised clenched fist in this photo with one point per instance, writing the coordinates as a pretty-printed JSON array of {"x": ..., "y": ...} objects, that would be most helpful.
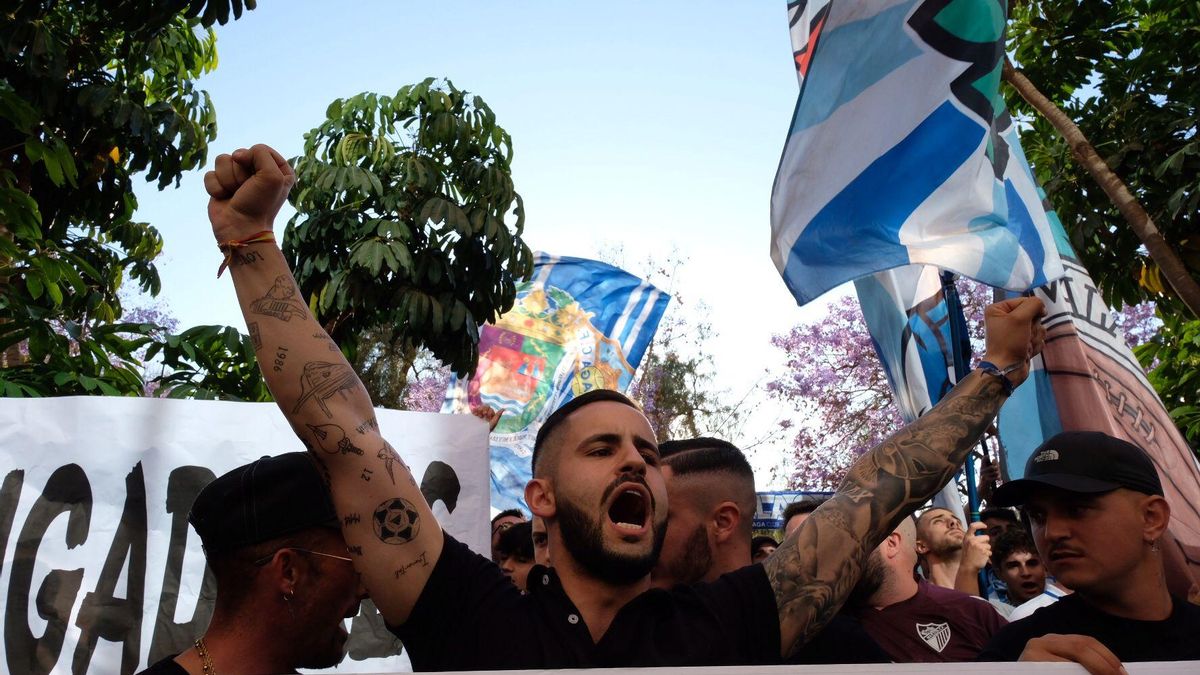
[
  {"x": 246, "y": 190},
  {"x": 1014, "y": 334}
]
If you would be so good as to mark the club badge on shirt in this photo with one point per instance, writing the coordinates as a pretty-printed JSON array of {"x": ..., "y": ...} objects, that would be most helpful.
[{"x": 936, "y": 635}]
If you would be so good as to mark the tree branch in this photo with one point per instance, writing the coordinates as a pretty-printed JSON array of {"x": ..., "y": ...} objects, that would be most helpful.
[{"x": 1143, "y": 225}]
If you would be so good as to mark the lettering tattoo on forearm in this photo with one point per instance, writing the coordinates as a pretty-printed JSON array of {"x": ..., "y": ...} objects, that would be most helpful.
[
  {"x": 371, "y": 424},
  {"x": 396, "y": 521},
  {"x": 351, "y": 519},
  {"x": 366, "y": 475},
  {"x": 354, "y": 550},
  {"x": 322, "y": 381},
  {"x": 332, "y": 439},
  {"x": 420, "y": 560},
  {"x": 255, "y": 336},
  {"x": 244, "y": 258},
  {"x": 814, "y": 570},
  {"x": 281, "y": 301},
  {"x": 280, "y": 356}
]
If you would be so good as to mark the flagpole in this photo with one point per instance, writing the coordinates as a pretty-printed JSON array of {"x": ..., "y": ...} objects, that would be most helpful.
[{"x": 960, "y": 345}]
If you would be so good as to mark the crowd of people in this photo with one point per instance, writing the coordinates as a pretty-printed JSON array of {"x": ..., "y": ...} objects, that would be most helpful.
[{"x": 640, "y": 553}]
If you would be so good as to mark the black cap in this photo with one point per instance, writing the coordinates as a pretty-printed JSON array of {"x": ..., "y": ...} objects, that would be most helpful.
[
  {"x": 557, "y": 417},
  {"x": 266, "y": 499},
  {"x": 1083, "y": 461}
]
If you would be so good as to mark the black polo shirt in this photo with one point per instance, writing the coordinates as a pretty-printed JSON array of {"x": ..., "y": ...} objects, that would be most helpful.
[{"x": 470, "y": 617}]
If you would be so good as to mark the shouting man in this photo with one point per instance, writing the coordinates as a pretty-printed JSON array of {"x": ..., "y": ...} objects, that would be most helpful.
[{"x": 597, "y": 485}]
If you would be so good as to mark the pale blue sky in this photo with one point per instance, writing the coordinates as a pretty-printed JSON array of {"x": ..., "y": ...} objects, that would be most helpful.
[{"x": 652, "y": 125}]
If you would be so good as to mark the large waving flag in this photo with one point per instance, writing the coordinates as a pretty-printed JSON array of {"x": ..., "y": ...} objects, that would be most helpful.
[
  {"x": 900, "y": 149},
  {"x": 1087, "y": 379},
  {"x": 577, "y": 325}
]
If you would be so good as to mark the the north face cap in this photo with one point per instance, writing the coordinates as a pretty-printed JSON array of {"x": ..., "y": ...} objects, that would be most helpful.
[{"x": 1083, "y": 461}]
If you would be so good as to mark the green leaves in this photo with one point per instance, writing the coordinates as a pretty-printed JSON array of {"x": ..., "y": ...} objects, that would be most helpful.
[
  {"x": 93, "y": 94},
  {"x": 1174, "y": 358},
  {"x": 402, "y": 217},
  {"x": 208, "y": 362}
]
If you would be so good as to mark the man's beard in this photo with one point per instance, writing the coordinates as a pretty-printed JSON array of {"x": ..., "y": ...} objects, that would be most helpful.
[
  {"x": 873, "y": 575},
  {"x": 947, "y": 547},
  {"x": 696, "y": 560},
  {"x": 584, "y": 540}
]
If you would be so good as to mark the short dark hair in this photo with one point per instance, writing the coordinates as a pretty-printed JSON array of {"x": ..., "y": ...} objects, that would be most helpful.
[
  {"x": 760, "y": 541},
  {"x": 564, "y": 411},
  {"x": 704, "y": 455},
  {"x": 801, "y": 507},
  {"x": 1013, "y": 541},
  {"x": 509, "y": 513},
  {"x": 1000, "y": 513},
  {"x": 517, "y": 540}
]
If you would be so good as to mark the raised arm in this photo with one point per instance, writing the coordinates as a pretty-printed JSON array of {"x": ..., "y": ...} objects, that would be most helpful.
[
  {"x": 814, "y": 570},
  {"x": 388, "y": 527}
]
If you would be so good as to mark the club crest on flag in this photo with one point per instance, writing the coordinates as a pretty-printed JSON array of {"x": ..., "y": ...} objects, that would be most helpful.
[{"x": 577, "y": 325}]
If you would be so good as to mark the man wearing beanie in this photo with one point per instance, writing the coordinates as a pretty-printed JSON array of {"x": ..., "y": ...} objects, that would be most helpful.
[
  {"x": 1096, "y": 507},
  {"x": 285, "y": 582}
]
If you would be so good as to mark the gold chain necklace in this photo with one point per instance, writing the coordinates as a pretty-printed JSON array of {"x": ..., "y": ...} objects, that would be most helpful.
[{"x": 205, "y": 659}]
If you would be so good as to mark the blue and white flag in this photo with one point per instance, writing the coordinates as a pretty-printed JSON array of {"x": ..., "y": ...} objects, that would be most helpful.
[
  {"x": 917, "y": 335},
  {"x": 901, "y": 152},
  {"x": 577, "y": 325}
]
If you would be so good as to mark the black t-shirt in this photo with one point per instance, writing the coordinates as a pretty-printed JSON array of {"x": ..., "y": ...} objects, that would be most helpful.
[
  {"x": 471, "y": 617},
  {"x": 167, "y": 666},
  {"x": 1176, "y": 638}
]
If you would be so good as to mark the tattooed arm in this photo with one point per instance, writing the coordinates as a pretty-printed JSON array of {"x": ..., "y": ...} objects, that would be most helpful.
[
  {"x": 814, "y": 570},
  {"x": 388, "y": 527}
]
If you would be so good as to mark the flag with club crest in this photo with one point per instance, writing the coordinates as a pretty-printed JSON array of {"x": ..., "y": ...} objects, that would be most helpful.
[
  {"x": 901, "y": 151},
  {"x": 577, "y": 325}
]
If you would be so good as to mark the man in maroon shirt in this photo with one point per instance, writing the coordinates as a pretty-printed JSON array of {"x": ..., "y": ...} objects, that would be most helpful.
[{"x": 916, "y": 621}]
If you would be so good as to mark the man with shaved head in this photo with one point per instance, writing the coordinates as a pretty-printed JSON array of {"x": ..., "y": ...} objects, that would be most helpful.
[
  {"x": 596, "y": 483},
  {"x": 914, "y": 620}
]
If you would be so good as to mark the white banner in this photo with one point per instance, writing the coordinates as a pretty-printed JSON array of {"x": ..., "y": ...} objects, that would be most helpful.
[{"x": 100, "y": 570}]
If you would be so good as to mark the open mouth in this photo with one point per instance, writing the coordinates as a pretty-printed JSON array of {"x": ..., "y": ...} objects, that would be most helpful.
[{"x": 630, "y": 508}]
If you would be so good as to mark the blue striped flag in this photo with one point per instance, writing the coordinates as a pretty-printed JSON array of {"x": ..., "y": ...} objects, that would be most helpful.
[
  {"x": 577, "y": 325},
  {"x": 916, "y": 334},
  {"x": 901, "y": 151}
]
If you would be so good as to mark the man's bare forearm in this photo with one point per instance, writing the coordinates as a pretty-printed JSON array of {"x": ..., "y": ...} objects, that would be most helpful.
[
  {"x": 386, "y": 522},
  {"x": 815, "y": 569}
]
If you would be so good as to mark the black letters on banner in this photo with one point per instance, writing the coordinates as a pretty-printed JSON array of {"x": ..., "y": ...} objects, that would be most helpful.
[
  {"x": 10, "y": 494},
  {"x": 440, "y": 482},
  {"x": 101, "y": 614},
  {"x": 67, "y": 491},
  {"x": 170, "y": 637},
  {"x": 118, "y": 619}
]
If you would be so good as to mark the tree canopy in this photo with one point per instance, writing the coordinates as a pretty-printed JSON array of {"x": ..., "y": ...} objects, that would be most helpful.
[
  {"x": 1127, "y": 72},
  {"x": 91, "y": 94},
  {"x": 403, "y": 205}
]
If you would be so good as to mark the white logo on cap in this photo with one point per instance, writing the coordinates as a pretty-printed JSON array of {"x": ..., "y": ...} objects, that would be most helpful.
[
  {"x": 1046, "y": 456},
  {"x": 936, "y": 635}
]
